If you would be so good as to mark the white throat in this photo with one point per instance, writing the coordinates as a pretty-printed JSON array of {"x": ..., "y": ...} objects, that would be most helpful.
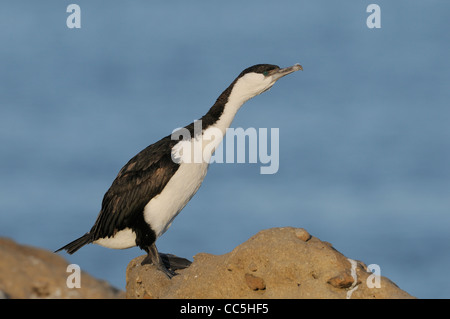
[
  {"x": 200, "y": 147},
  {"x": 245, "y": 88}
]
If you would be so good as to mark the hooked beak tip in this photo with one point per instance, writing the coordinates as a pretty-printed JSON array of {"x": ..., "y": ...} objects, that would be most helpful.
[
  {"x": 295, "y": 67},
  {"x": 285, "y": 71}
]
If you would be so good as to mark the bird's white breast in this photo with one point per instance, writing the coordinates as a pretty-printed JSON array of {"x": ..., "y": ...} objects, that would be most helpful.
[
  {"x": 163, "y": 208},
  {"x": 194, "y": 156}
]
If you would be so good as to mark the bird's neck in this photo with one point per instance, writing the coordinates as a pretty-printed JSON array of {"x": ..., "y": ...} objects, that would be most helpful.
[
  {"x": 222, "y": 113},
  {"x": 211, "y": 128}
]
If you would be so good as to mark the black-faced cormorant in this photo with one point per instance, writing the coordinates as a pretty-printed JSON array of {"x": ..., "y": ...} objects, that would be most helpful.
[{"x": 156, "y": 184}]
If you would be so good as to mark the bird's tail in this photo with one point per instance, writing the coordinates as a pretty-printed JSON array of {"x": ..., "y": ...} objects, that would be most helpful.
[{"x": 76, "y": 244}]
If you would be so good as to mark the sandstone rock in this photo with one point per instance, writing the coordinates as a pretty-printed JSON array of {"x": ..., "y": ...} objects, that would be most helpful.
[
  {"x": 275, "y": 263},
  {"x": 254, "y": 282},
  {"x": 302, "y": 234},
  {"x": 343, "y": 280},
  {"x": 28, "y": 272}
]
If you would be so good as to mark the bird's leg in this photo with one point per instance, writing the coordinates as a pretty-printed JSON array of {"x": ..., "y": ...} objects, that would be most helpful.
[{"x": 153, "y": 258}]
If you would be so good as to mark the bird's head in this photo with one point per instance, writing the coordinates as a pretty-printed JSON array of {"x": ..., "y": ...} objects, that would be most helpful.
[{"x": 259, "y": 78}]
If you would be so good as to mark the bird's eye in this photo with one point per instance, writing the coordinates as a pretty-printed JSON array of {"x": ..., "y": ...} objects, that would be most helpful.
[{"x": 265, "y": 73}]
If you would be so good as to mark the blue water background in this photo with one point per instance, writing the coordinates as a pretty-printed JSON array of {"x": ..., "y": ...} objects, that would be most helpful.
[{"x": 364, "y": 129}]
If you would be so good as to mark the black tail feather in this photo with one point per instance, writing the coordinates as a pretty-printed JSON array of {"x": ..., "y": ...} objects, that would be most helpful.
[{"x": 76, "y": 244}]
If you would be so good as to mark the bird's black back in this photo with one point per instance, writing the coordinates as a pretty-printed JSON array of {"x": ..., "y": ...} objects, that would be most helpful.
[{"x": 141, "y": 179}]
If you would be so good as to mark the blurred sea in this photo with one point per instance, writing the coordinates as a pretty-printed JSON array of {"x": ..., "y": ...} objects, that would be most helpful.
[{"x": 364, "y": 129}]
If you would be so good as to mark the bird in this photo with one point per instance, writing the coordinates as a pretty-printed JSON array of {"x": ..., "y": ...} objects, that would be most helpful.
[{"x": 157, "y": 183}]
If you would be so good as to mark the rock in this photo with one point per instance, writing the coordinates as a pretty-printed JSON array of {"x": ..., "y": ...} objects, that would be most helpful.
[
  {"x": 302, "y": 234},
  {"x": 343, "y": 280},
  {"x": 275, "y": 263},
  {"x": 254, "y": 282},
  {"x": 28, "y": 272}
]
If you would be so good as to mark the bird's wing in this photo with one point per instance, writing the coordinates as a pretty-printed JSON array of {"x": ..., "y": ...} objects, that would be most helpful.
[{"x": 142, "y": 178}]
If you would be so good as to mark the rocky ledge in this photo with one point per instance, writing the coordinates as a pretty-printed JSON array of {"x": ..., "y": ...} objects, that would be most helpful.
[
  {"x": 29, "y": 272},
  {"x": 275, "y": 263}
]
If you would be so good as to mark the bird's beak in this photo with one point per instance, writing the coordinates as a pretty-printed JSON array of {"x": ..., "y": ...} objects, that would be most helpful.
[{"x": 278, "y": 74}]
